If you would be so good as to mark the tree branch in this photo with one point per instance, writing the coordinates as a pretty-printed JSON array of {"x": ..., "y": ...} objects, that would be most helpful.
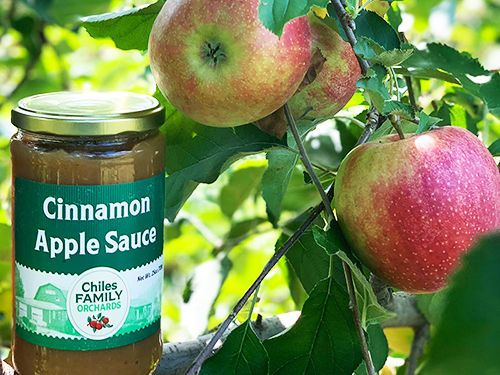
[
  {"x": 207, "y": 351},
  {"x": 353, "y": 304},
  {"x": 409, "y": 83},
  {"x": 371, "y": 125},
  {"x": 349, "y": 27},
  {"x": 422, "y": 334},
  {"x": 404, "y": 305},
  {"x": 411, "y": 93},
  {"x": 177, "y": 357},
  {"x": 307, "y": 163}
]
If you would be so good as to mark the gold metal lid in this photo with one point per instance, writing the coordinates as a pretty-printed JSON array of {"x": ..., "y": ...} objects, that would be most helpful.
[{"x": 89, "y": 113}]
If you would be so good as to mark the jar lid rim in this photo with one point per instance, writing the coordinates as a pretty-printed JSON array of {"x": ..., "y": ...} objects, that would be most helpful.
[{"x": 88, "y": 113}]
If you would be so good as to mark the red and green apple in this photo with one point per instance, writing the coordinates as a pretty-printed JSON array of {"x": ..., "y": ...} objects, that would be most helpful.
[
  {"x": 217, "y": 63},
  {"x": 411, "y": 207},
  {"x": 335, "y": 83}
]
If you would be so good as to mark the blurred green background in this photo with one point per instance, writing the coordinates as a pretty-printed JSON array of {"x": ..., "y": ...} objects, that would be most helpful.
[{"x": 221, "y": 239}]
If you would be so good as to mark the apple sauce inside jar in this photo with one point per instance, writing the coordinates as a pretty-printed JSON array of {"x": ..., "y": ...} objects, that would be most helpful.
[{"x": 88, "y": 197}]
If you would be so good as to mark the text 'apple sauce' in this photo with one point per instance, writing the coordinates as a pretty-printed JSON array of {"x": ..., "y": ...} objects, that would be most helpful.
[{"x": 88, "y": 181}]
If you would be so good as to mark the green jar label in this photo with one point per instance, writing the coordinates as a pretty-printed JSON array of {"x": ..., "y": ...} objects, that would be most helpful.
[{"x": 88, "y": 263}]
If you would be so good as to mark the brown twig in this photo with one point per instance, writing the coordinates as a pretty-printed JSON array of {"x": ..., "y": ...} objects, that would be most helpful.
[
  {"x": 409, "y": 83},
  {"x": 267, "y": 268},
  {"x": 411, "y": 93},
  {"x": 421, "y": 337},
  {"x": 353, "y": 305},
  {"x": 396, "y": 124},
  {"x": 349, "y": 26},
  {"x": 307, "y": 162},
  {"x": 347, "y": 271},
  {"x": 371, "y": 125},
  {"x": 404, "y": 305}
]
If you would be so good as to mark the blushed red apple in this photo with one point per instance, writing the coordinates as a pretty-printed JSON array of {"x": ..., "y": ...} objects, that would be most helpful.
[
  {"x": 409, "y": 208},
  {"x": 335, "y": 84},
  {"x": 216, "y": 62}
]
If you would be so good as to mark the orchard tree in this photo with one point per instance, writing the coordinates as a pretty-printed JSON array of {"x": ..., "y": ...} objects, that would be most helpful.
[{"x": 406, "y": 195}]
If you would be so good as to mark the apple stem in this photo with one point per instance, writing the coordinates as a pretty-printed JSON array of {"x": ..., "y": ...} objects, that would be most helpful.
[
  {"x": 207, "y": 351},
  {"x": 396, "y": 123},
  {"x": 371, "y": 125},
  {"x": 409, "y": 82},
  {"x": 353, "y": 304}
]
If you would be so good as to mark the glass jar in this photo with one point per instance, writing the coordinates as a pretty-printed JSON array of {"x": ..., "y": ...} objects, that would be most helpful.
[{"x": 88, "y": 172}]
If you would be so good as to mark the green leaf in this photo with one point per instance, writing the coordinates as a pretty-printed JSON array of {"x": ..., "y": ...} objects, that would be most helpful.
[
  {"x": 241, "y": 184},
  {"x": 398, "y": 108},
  {"x": 242, "y": 228},
  {"x": 378, "y": 346},
  {"x": 371, "y": 26},
  {"x": 426, "y": 122},
  {"x": 370, "y": 310},
  {"x": 297, "y": 292},
  {"x": 385, "y": 129},
  {"x": 332, "y": 240},
  {"x": 310, "y": 261},
  {"x": 393, "y": 57},
  {"x": 323, "y": 341},
  {"x": 64, "y": 12},
  {"x": 241, "y": 354},
  {"x": 199, "y": 154},
  {"x": 460, "y": 117},
  {"x": 441, "y": 56},
  {"x": 374, "y": 86},
  {"x": 471, "y": 74},
  {"x": 274, "y": 14},
  {"x": 299, "y": 195},
  {"x": 495, "y": 148},
  {"x": 456, "y": 115},
  {"x": 281, "y": 164},
  {"x": 30, "y": 28},
  {"x": 334, "y": 243},
  {"x": 128, "y": 29},
  {"x": 467, "y": 341},
  {"x": 432, "y": 305},
  {"x": 427, "y": 74},
  {"x": 351, "y": 5},
  {"x": 394, "y": 17},
  {"x": 370, "y": 50}
]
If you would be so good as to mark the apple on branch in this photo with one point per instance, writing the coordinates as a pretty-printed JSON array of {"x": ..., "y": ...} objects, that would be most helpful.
[
  {"x": 216, "y": 62},
  {"x": 409, "y": 208},
  {"x": 335, "y": 82}
]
